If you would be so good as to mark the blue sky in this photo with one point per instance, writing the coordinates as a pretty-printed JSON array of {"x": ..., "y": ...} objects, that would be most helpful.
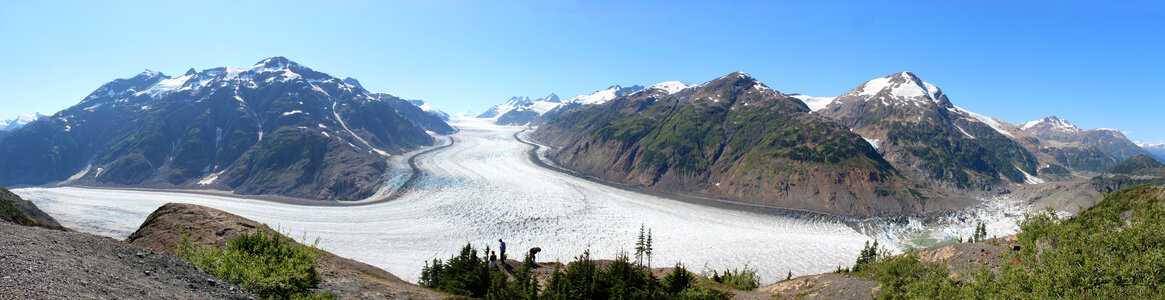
[{"x": 1096, "y": 63}]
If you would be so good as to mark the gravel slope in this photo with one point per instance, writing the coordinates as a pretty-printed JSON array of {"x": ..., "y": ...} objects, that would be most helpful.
[{"x": 37, "y": 263}]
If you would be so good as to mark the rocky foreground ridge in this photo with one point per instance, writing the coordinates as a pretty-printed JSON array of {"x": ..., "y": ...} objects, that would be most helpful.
[{"x": 163, "y": 230}]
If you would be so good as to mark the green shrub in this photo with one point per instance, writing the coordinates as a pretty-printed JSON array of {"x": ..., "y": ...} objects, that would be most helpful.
[
  {"x": 1115, "y": 249},
  {"x": 678, "y": 280},
  {"x": 741, "y": 279},
  {"x": 465, "y": 274},
  {"x": 270, "y": 265}
]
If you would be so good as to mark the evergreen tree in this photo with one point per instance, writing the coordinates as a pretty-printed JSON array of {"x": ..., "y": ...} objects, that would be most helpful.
[
  {"x": 678, "y": 280},
  {"x": 556, "y": 285},
  {"x": 625, "y": 280},
  {"x": 525, "y": 285},
  {"x": 868, "y": 255},
  {"x": 581, "y": 278},
  {"x": 431, "y": 274},
  {"x": 980, "y": 234},
  {"x": 640, "y": 246},
  {"x": 499, "y": 289},
  {"x": 647, "y": 248}
]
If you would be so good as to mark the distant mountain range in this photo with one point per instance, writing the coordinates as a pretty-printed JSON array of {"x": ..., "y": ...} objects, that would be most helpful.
[
  {"x": 523, "y": 111},
  {"x": 734, "y": 138},
  {"x": 1093, "y": 150},
  {"x": 19, "y": 121},
  {"x": 1157, "y": 149},
  {"x": 275, "y": 128}
]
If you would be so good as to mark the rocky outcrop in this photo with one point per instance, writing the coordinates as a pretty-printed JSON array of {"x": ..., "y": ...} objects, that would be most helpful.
[
  {"x": 164, "y": 228},
  {"x": 23, "y": 212}
]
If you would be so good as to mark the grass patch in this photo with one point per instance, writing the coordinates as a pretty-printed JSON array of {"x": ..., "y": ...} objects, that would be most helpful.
[{"x": 366, "y": 272}]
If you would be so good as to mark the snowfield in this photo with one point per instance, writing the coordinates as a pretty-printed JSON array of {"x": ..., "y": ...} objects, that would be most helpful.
[{"x": 483, "y": 187}]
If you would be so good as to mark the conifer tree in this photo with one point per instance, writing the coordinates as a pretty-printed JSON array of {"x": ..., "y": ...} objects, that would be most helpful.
[
  {"x": 640, "y": 247},
  {"x": 647, "y": 248}
]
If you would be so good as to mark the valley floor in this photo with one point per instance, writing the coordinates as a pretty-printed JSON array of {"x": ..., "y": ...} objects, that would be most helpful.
[{"x": 484, "y": 187}]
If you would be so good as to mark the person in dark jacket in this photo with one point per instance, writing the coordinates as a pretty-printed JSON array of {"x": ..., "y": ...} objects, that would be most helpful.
[
  {"x": 502, "y": 250},
  {"x": 493, "y": 259},
  {"x": 533, "y": 251}
]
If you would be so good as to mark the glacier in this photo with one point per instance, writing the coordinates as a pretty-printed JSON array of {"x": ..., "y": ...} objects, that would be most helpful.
[{"x": 482, "y": 187}]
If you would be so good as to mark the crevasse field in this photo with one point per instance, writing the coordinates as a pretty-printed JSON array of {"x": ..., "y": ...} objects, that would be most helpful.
[{"x": 482, "y": 188}]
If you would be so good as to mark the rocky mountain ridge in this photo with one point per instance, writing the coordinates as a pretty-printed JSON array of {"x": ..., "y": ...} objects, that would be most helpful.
[
  {"x": 920, "y": 131},
  {"x": 275, "y": 128},
  {"x": 732, "y": 138},
  {"x": 1092, "y": 150}
]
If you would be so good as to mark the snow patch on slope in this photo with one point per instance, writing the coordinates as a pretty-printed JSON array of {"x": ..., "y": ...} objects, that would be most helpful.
[
  {"x": 597, "y": 97},
  {"x": 985, "y": 119},
  {"x": 671, "y": 87},
  {"x": 1028, "y": 178},
  {"x": 815, "y": 103},
  {"x": 874, "y": 86}
]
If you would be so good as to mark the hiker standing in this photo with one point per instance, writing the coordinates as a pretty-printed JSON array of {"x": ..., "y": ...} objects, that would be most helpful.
[
  {"x": 493, "y": 259},
  {"x": 502, "y": 250}
]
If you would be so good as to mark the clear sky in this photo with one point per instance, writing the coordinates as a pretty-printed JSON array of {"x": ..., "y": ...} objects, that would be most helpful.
[{"x": 1095, "y": 63}]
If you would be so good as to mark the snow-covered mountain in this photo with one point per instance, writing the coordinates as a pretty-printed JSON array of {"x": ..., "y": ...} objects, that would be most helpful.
[
  {"x": 505, "y": 107},
  {"x": 919, "y": 130},
  {"x": 276, "y": 127},
  {"x": 20, "y": 121},
  {"x": 602, "y": 96},
  {"x": 1157, "y": 149},
  {"x": 430, "y": 109},
  {"x": 1050, "y": 124},
  {"x": 1110, "y": 141},
  {"x": 542, "y": 110}
]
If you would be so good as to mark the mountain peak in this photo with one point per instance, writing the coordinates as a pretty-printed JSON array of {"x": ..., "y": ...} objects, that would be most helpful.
[
  {"x": 738, "y": 76},
  {"x": 552, "y": 98},
  {"x": 736, "y": 80},
  {"x": 903, "y": 85},
  {"x": 150, "y": 73},
  {"x": 190, "y": 72},
  {"x": 1051, "y": 122},
  {"x": 276, "y": 62},
  {"x": 353, "y": 82},
  {"x": 907, "y": 75}
]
